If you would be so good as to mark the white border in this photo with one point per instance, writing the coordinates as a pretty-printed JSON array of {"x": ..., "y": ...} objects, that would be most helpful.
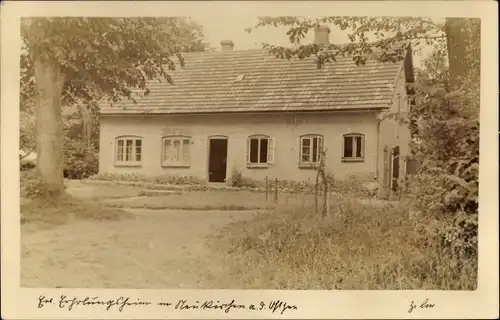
[{"x": 483, "y": 303}]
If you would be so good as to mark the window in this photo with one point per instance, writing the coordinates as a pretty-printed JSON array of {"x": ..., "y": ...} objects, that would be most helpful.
[
  {"x": 353, "y": 147},
  {"x": 260, "y": 151},
  {"x": 311, "y": 147},
  {"x": 176, "y": 151},
  {"x": 239, "y": 78},
  {"x": 128, "y": 151}
]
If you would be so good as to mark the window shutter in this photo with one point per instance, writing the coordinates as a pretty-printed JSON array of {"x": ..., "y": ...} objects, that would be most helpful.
[
  {"x": 300, "y": 150},
  {"x": 320, "y": 148},
  {"x": 270, "y": 150},
  {"x": 186, "y": 152},
  {"x": 248, "y": 150}
]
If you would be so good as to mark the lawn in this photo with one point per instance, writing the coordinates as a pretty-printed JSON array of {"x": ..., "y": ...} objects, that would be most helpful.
[
  {"x": 50, "y": 212},
  {"x": 209, "y": 200},
  {"x": 358, "y": 246}
]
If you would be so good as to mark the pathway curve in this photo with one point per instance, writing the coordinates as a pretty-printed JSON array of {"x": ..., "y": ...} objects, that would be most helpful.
[{"x": 156, "y": 249}]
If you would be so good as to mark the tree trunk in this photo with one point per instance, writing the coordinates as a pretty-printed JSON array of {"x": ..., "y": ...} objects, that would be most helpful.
[
  {"x": 463, "y": 39},
  {"x": 49, "y": 131}
]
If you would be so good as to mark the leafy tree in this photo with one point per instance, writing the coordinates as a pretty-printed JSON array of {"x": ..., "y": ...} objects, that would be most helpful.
[
  {"x": 434, "y": 68},
  {"x": 446, "y": 113},
  {"x": 67, "y": 61},
  {"x": 390, "y": 34}
]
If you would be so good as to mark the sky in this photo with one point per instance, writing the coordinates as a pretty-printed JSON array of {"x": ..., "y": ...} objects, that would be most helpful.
[{"x": 218, "y": 27}]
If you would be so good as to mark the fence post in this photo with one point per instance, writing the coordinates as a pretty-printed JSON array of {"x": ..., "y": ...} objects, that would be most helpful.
[
  {"x": 327, "y": 204},
  {"x": 267, "y": 188},
  {"x": 276, "y": 192}
]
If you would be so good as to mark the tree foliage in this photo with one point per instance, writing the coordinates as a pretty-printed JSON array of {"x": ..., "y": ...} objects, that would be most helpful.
[
  {"x": 106, "y": 55},
  {"x": 392, "y": 35},
  {"x": 68, "y": 61},
  {"x": 447, "y": 110}
]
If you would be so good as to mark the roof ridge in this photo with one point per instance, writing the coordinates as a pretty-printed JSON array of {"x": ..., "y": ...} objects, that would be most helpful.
[{"x": 255, "y": 50}]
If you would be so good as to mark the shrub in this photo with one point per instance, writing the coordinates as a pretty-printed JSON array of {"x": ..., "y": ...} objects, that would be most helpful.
[
  {"x": 26, "y": 165},
  {"x": 163, "y": 179},
  {"x": 447, "y": 142},
  {"x": 80, "y": 160},
  {"x": 350, "y": 186},
  {"x": 32, "y": 185},
  {"x": 353, "y": 186},
  {"x": 238, "y": 181},
  {"x": 179, "y": 180},
  {"x": 81, "y": 167},
  {"x": 304, "y": 186},
  {"x": 129, "y": 177}
]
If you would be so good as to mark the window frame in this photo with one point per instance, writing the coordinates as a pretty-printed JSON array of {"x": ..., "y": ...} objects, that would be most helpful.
[
  {"x": 128, "y": 163},
  {"x": 270, "y": 151},
  {"x": 353, "y": 158},
  {"x": 321, "y": 144},
  {"x": 182, "y": 163}
]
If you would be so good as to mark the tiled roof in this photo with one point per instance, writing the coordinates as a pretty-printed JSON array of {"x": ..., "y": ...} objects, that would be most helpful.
[{"x": 254, "y": 81}]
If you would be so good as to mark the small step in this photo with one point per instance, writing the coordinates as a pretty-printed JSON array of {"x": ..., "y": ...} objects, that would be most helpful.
[{"x": 155, "y": 193}]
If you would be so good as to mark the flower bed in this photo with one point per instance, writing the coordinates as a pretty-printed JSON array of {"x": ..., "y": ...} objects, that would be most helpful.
[{"x": 350, "y": 187}]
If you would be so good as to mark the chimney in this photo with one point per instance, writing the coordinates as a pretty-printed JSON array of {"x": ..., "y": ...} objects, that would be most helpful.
[
  {"x": 322, "y": 35},
  {"x": 227, "y": 45}
]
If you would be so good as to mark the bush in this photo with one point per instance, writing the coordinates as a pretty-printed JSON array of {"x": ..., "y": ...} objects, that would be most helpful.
[
  {"x": 238, "y": 181},
  {"x": 80, "y": 161},
  {"x": 447, "y": 182},
  {"x": 26, "y": 165},
  {"x": 179, "y": 180},
  {"x": 129, "y": 177},
  {"x": 32, "y": 185},
  {"x": 353, "y": 186},
  {"x": 81, "y": 167},
  {"x": 163, "y": 179}
]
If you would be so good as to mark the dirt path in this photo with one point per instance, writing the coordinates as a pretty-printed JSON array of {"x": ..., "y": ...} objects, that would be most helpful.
[{"x": 156, "y": 249}]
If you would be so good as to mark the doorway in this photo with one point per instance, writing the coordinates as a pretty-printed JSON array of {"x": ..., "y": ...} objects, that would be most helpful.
[{"x": 217, "y": 160}]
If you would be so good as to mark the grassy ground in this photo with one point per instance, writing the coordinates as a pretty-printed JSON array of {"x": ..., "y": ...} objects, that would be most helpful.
[
  {"x": 78, "y": 203},
  {"x": 101, "y": 192},
  {"x": 210, "y": 200},
  {"x": 359, "y": 246},
  {"x": 66, "y": 208}
]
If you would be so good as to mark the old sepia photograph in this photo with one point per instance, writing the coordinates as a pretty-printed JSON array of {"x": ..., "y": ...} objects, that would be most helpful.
[
  {"x": 328, "y": 152},
  {"x": 247, "y": 160},
  {"x": 246, "y": 149}
]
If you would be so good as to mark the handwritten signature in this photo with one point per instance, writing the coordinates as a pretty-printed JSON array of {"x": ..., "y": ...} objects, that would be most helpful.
[
  {"x": 70, "y": 303},
  {"x": 424, "y": 305}
]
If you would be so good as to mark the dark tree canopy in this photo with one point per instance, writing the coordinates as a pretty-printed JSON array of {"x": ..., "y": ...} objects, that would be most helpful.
[
  {"x": 98, "y": 56},
  {"x": 74, "y": 61}
]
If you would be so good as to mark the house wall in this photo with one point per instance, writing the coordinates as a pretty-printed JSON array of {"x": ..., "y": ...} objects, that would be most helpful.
[
  {"x": 286, "y": 129},
  {"x": 392, "y": 133}
]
